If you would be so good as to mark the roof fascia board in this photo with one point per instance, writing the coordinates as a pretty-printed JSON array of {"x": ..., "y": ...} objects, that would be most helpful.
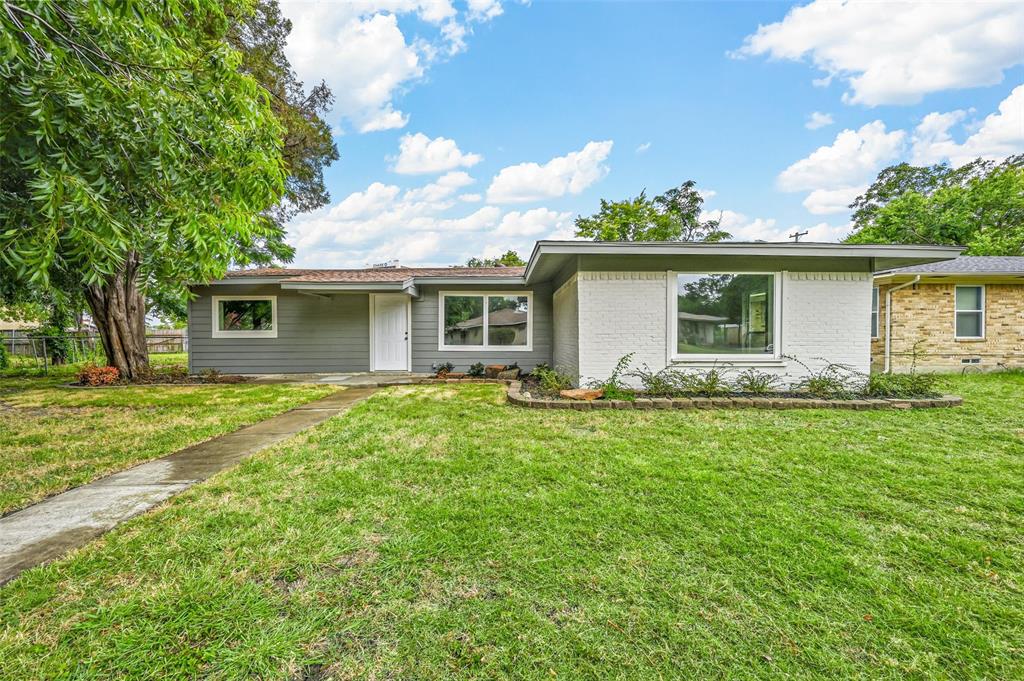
[{"x": 243, "y": 280}]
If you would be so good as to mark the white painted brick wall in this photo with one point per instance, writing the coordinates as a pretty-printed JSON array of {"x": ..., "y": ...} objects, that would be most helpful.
[
  {"x": 621, "y": 312},
  {"x": 566, "y": 355},
  {"x": 826, "y": 317}
]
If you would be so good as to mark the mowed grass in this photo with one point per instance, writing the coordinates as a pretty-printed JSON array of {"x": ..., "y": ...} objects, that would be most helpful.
[
  {"x": 434, "y": 532},
  {"x": 54, "y": 437}
]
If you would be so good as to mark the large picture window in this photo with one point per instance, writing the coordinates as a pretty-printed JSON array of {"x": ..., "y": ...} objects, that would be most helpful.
[
  {"x": 476, "y": 321},
  {"x": 725, "y": 315},
  {"x": 245, "y": 317},
  {"x": 970, "y": 312}
]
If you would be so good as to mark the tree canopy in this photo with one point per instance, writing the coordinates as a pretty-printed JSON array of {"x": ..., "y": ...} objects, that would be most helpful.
[
  {"x": 136, "y": 153},
  {"x": 675, "y": 215},
  {"x": 979, "y": 205},
  {"x": 509, "y": 259}
]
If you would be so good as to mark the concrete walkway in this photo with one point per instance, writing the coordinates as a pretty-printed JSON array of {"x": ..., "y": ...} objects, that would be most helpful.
[{"x": 45, "y": 531}]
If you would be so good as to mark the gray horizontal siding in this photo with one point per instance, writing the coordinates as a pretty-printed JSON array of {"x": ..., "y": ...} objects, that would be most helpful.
[
  {"x": 425, "y": 321},
  {"x": 313, "y": 334}
]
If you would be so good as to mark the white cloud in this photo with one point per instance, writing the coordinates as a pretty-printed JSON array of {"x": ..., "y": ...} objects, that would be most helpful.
[
  {"x": 420, "y": 154},
  {"x": 532, "y": 222},
  {"x": 484, "y": 10},
  {"x": 897, "y": 52},
  {"x": 358, "y": 205},
  {"x": 817, "y": 120},
  {"x": 643, "y": 147},
  {"x": 826, "y": 201},
  {"x": 360, "y": 50},
  {"x": 744, "y": 228},
  {"x": 707, "y": 194},
  {"x": 852, "y": 158},
  {"x": 442, "y": 188},
  {"x": 569, "y": 174},
  {"x": 471, "y": 198},
  {"x": 999, "y": 135}
]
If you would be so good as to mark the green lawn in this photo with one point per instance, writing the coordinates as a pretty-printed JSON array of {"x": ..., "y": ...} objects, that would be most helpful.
[
  {"x": 434, "y": 532},
  {"x": 53, "y": 437}
]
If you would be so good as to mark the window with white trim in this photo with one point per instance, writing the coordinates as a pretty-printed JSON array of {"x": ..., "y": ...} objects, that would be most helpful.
[
  {"x": 725, "y": 315},
  {"x": 970, "y": 311},
  {"x": 245, "y": 316},
  {"x": 485, "y": 321},
  {"x": 874, "y": 312}
]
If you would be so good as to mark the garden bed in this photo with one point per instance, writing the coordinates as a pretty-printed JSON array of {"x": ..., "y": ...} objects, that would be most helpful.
[{"x": 523, "y": 398}]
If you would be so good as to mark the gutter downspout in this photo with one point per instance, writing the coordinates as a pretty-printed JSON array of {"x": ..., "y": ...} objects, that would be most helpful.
[{"x": 888, "y": 317}]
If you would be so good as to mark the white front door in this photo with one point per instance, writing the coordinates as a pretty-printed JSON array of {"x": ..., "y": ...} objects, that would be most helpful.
[{"x": 390, "y": 333}]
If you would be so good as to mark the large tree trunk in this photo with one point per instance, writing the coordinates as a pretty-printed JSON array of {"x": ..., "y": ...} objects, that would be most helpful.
[{"x": 119, "y": 312}]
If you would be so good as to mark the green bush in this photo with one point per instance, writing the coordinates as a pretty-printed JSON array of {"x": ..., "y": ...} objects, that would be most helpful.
[
  {"x": 710, "y": 383},
  {"x": 754, "y": 382},
  {"x": 476, "y": 370},
  {"x": 613, "y": 386},
  {"x": 5, "y": 361},
  {"x": 664, "y": 383},
  {"x": 902, "y": 385},
  {"x": 550, "y": 380}
]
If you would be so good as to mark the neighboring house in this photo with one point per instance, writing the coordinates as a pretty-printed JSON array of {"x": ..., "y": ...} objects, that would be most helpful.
[
  {"x": 577, "y": 305},
  {"x": 946, "y": 316}
]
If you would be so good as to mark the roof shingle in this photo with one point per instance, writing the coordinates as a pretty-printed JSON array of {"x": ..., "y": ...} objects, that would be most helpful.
[
  {"x": 967, "y": 264},
  {"x": 377, "y": 274}
]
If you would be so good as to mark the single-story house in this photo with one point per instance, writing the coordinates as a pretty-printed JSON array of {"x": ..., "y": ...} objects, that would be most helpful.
[
  {"x": 967, "y": 312},
  {"x": 577, "y": 305}
]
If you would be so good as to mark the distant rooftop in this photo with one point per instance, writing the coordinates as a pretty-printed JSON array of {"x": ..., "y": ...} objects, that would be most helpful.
[{"x": 967, "y": 264}]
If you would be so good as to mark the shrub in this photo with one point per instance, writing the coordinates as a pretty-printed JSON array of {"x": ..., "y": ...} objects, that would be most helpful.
[
  {"x": 663, "y": 383},
  {"x": 613, "y": 387},
  {"x": 756, "y": 382},
  {"x": 901, "y": 385},
  {"x": 476, "y": 370},
  {"x": 710, "y": 383},
  {"x": 5, "y": 361},
  {"x": 550, "y": 380},
  {"x": 831, "y": 382},
  {"x": 93, "y": 375}
]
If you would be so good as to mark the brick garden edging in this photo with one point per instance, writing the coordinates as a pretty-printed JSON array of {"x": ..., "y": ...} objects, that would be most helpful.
[{"x": 517, "y": 398}]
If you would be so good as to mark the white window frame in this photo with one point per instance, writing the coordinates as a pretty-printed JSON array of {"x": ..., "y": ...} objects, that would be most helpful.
[
  {"x": 672, "y": 309},
  {"x": 218, "y": 332},
  {"x": 441, "y": 295},
  {"x": 875, "y": 308},
  {"x": 957, "y": 312}
]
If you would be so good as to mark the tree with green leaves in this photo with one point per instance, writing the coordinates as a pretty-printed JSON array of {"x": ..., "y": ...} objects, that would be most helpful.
[
  {"x": 509, "y": 259},
  {"x": 979, "y": 205},
  {"x": 138, "y": 156},
  {"x": 672, "y": 216}
]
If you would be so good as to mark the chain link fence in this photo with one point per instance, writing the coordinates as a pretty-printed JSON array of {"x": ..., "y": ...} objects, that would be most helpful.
[{"x": 26, "y": 350}]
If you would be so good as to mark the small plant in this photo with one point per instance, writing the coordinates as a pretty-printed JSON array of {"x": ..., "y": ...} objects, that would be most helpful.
[
  {"x": 93, "y": 375},
  {"x": 551, "y": 381},
  {"x": 444, "y": 368},
  {"x": 901, "y": 385},
  {"x": 613, "y": 386},
  {"x": 663, "y": 383},
  {"x": 710, "y": 383},
  {"x": 754, "y": 382},
  {"x": 476, "y": 370},
  {"x": 831, "y": 382}
]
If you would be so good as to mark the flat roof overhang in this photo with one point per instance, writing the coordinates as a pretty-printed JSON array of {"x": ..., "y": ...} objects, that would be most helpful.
[{"x": 550, "y": 257}]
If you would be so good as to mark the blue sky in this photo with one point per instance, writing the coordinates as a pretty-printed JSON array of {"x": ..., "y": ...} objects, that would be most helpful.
[{"x": 468, "y": 128}]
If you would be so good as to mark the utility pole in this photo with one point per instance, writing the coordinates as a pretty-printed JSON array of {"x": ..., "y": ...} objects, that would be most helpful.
[{"x": 795, "y": 236}]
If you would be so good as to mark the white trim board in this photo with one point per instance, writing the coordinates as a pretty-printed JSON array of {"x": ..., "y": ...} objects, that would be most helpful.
[
  {"x": 485, "y": 347},
  {"x": 217, "y": 332}
]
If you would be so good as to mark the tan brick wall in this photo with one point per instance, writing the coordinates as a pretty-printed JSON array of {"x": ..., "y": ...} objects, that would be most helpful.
[{"x": 923, "y": 316}]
